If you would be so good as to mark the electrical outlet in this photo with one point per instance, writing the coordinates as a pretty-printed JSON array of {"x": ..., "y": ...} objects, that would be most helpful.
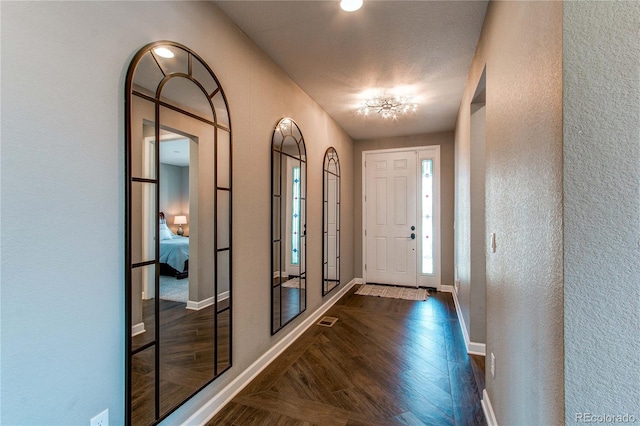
[
  {"x": 493, "y": 365},
  {"x": 101, "y": 419},
  {"x": 457, "y": 282}
]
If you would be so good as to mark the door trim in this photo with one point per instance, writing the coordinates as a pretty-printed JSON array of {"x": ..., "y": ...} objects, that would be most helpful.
[{"x": 420, "y": 150}]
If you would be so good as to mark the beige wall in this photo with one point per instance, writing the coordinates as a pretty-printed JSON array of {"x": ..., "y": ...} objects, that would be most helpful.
[
  {"x": 601, "y": 104},
  {"x": 63, "y": 74},
  {"x": 173, "y": 193},
  {"x": 62, "y": 177},
  {"x": 445, "y": 140},
  {"x": 470, "y": 233},
  {"x": 521, "y": 45}
]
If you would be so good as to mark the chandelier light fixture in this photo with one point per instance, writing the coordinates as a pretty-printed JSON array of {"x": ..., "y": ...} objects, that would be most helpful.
[{"x": 388, "y": 106}]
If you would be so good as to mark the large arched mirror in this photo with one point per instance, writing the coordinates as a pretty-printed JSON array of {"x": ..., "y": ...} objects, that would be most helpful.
[
  {"x": 178, "y": 230},
  {"x": 330, "y": 221},
  {"x": 288, "y": 224}
]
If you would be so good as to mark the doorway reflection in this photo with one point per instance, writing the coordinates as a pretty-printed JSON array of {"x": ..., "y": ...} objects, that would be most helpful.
[
  {"x": 330, "y": 221},
  {"x": 178, "y": 231},
  {"x": 289, "y": 225}
]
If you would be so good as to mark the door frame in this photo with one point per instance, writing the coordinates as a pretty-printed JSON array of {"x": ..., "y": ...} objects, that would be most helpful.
[
  {"x": 149, "y": 217},
  {"x": 423, "y": 152}
]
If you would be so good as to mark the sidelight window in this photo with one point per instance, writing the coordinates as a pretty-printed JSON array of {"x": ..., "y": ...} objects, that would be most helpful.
[{"x": 426, "y": 239}]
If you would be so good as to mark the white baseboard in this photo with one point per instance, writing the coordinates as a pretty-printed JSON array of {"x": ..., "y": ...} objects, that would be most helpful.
[
  {"x": 196, "y": 306},
  {"x": 489, "y": 415},
  {"x": 223, "y": 296},
  {"x": 277, "y": 274},
  {"x": 473, "y": 348},
  {"x": 446, "y": 288},
  {"x": 215, "y": 404},
  {"x": 137, "y": 329}
]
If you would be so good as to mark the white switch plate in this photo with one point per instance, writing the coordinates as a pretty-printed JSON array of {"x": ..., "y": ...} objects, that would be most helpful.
[
  {"x": 101, "y": 419},
  {"x": 493, "y": 365}
]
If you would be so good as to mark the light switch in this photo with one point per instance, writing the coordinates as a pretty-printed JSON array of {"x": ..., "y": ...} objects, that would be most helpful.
[{"x": 492, "y": 244}]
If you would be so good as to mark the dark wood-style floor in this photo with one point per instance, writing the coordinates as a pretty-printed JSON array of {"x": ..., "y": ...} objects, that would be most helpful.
[
  {"x": 187, "y": 356},
  {"x": 384, "y": 362}
]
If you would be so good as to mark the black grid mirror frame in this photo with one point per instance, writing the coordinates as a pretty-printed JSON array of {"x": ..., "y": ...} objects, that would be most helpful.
[
  {"x": 330, "y": 221},
  {"x": 158, "y": 83},
  {"x": 288, "y": 224}
]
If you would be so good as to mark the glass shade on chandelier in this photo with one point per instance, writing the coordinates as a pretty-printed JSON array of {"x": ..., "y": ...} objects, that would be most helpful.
[{"x": 388, "y": 107}]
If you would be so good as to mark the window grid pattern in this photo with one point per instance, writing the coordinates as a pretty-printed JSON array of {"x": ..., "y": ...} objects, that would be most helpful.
[{"x": 295, "y": 217}]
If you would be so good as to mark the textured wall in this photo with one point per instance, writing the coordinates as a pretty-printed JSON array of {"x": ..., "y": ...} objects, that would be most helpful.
[
  {"x": 63, "y": 73},
  {"x": 602, "y": 208},
  {"x": 521, "y": 46},
  {"x": 445, "y": 140},
  {"x": 470, "y": 232},
  {"x": 462, "y": 232},
  {"x": 477, "y": 321}
]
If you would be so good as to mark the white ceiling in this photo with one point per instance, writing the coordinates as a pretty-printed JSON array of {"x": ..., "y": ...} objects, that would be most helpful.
[
  {"x": 174, "y": 149},
  {"x": 421, "y": 47}
]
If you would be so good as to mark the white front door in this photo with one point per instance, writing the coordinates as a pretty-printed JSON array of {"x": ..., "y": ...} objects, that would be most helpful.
[
  {"x": 390, "y": 197},
  {"x": 401, "y": 235}
]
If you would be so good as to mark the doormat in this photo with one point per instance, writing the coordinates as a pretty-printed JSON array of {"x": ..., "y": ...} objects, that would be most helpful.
[{"x": 407, "y": 293}]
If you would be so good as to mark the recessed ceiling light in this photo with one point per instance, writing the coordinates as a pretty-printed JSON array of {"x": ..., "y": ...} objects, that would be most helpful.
[
  {"x": 163, "y": 52},
  {"x": 350, "y": 5}
]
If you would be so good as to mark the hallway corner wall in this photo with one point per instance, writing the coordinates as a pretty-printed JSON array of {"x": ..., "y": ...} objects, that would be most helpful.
[
  {"x": 521, "y": 46},
  {"x": 601, "y": 208}
]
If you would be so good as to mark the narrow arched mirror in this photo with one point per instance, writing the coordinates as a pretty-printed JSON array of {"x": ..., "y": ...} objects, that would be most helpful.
[
  {"x": 330, "y": 221},
  {"x": 288, "y": 224},
  {"x": 177, "y": 230}
]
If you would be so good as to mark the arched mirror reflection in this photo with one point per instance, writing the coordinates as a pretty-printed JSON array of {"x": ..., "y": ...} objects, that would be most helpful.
[
  {"x": 330, "y": 221},
  {"x": 288, "y": 224},
  {"x": 178, "y": 230}
]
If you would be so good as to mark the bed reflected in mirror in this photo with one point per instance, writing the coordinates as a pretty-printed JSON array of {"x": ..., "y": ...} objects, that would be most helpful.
[
  {"x": 289, "y": 224},
  {"x": 174, "y": 210},
  {"x": 178, "y": 231}
]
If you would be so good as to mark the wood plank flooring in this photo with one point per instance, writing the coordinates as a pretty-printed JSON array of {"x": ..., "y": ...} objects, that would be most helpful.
[
  {"x": 384, "y": 362},
  {"x": 187, "y": 356}
]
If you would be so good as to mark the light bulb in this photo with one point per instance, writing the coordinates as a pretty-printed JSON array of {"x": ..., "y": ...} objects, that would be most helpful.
[
  {"x": 350, "y": 5},
  {"x": 163, "y": 52}
]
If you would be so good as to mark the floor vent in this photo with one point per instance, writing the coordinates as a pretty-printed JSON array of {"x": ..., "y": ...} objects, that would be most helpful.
[{"x": 327, "y": 321}]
